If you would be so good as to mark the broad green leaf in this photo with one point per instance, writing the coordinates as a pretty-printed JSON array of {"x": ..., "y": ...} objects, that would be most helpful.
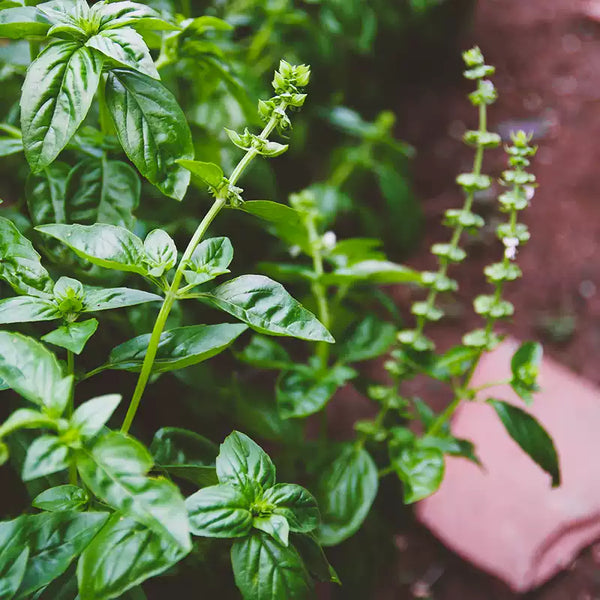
[
  {"x": 305, "y": 390},
  {"x": 62, "y": 588},
  {"x": 275, "y": 525},
  {"x": 46, "y": 455},
  {"x": 26, "y": 418},
  {"x": 314, "y": 558},
  {"x": 345, "y": 492},
  {"x": 61, "y": 498},
  {"x": 453, "y": 363},
  {"x": 265, "y": 353},
  {"x": 241, "y": 460},
  {"x": 178, "y": 348},
  {"x": 185, "y": 454},
  {"x": 20, "y": 264},
  {"x": 91, "y": 416},
  {"x": 127, "y": 48},
  {"x": 161, "y": 252},
  {"x": 27, "y": 309},
  {"x": 374, "y": 271},
  {"x": 221, "y": 511},
  {"x": 57, "y": 95},
  {"x": 151, "y": 128},
  {"x": 32, "y": 371},
  {"x": 115, "y": 15},
  {"x": 265, "y": 569},
  {"x": 355, "y": 250},
  {"x": 12, "y": 570},
  {"x": 267, "y": 307},
  {"x": 525, "y": 366},
  {"x": 45, "y": 193},
  {"x": 102, "y": 191},
  {"x": 97, "y": 299},
  {"x": 420, "y": 469},
  {"x": 10, "y": 145},
  {"x": 107, "y": 246},
  {"x": 72, "y": 336},
  {"x": 209, "y": 173},
  {"x": 210, "y": 259},
  {"x": 123, "y": 555},
  {"x": 530, "y": 435},
  {"x": 54, "y": 540},
  {"x": 115, "y": 468},
  {"x": 296, "y": 504},
  {"x": 286, "y": 222},
  {"x": 369, "y": 339},
  {"x": 448, "y": 444},
  {"x": 22, "y": 21}
]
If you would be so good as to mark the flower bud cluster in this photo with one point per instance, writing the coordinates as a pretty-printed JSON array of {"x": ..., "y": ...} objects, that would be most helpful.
[
  {"x": 512, "y": 234},
  {"x": 459, "y": 220}
]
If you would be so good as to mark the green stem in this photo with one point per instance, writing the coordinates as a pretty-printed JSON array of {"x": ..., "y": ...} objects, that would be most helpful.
[
  {"x": 318, "y": 289},
  {"x": 70, "y": 407},
  {"x": 172, "y": 293}
]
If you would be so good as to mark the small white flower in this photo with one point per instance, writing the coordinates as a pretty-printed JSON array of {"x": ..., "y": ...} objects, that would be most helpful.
[
  {"x": 529, "y": 192},
  {"x": 329, "y": 240},
  {"x": 295, "y": 251},
  {"x": 510, "y": 244}
]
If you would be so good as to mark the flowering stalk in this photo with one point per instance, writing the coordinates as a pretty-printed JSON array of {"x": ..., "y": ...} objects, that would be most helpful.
[{"x": 459, "y": 220}]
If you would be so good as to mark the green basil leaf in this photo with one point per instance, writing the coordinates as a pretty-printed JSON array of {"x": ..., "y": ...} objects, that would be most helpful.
[
  {"x": 21, "y": 22},
  {"x": 54, "y": 540},
  {"x": 127, "y": 48},
  {"x": 102, "y": 191},
  {"x": 33, "y": 372},
  {"x": 151, "y": 128},
  {"x": 375, "y": 271},
  {"x": 97, "y": 299},
  {"x": 221, "y": 511},
  {"x": 72, "y": 336},
  {"x": 305, "y": 390},
  {"x": 60, "y": 498},
  {"x": 265, "y": 353},
  {"x": 107, "y": 246},
  {"x": 10, "y": 145},
  {"x": 524, "y": 366},
  {"x": 286, "y": 222},
  {"x": 91, "y": 416},
  {"x": 453, "y": 363},
  {"x": 45, "y": 193},
  {"x": 63, "y": 588},
  {"x": 178, "y": 348},
  {"x": 120, "y": 14},
  {"x": 420, "y": 469},
  {"x": 448, "y": 444},
  {"x": 12, "y": 570},
  {"x": 27, "y": 309},
  {"x": 530, "y": 435},
  {"x": 57, "y": 95},
  {"x": 345, "y": 492},
  {"x": 161, "y": 252},
  {"x": 296, "y": 504},
  {"x": 123, "y": 555},
  {"x": 26, "y": 418},
  {"x": 267, "y": 307},
  {"x": 275, "y": 525},
  {"x": 115, "y": 468},
  {"x": 210, "y": 259},
  {"x": 241, "y": 460},
  {"x": 369, "y": 339},
  {"x": 46, "y": 455},
  {"x": 20, "y": 264},
  {"x": 314, "y": 558},
  {"x": 265, "y": 569},
  {"x": 209, "y": 173},
  {"x": 185, "y": 454}
]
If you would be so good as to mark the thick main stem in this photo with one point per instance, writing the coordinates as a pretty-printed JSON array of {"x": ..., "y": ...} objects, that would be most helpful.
[{"x": 172, "y": 292}]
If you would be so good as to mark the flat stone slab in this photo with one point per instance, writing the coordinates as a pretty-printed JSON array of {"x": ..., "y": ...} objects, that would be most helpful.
[{"x": 505, "y": 518}]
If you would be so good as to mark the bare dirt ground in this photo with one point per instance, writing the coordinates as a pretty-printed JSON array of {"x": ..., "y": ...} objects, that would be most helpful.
[{"x": 547, "y": 55}]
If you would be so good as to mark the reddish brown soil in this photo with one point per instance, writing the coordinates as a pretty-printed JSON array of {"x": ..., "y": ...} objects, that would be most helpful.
[{"x": 547, "y": 54}]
